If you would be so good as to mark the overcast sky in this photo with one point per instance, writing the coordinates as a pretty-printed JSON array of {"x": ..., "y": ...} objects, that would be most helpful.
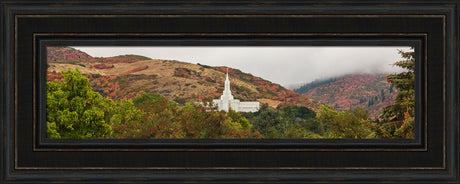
[{"x": 282, "y": 65}]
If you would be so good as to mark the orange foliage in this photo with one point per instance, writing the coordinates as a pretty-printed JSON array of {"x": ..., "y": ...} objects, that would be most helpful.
[
  {"x": 135, "y": 70},
  {"x": 52, "y": 76},
  {"x": 102, "y": 66}
]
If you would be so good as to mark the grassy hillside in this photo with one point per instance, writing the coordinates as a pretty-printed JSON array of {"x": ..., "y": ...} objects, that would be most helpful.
[{"x": 118, "y": 77}]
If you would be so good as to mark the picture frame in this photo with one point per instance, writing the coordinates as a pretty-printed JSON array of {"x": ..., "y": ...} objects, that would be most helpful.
[{"x": 27, "y": 156}]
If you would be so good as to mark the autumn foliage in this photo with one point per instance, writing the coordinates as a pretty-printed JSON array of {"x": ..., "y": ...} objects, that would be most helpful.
[
  {"x": 54, "y": 76},
  {"x": 105, "y": 106},
  {"x": 102, "y": 66},
  {"x": 135, "y": 70},
  {"x": 63, "y": 54},
  {"x": 368, "y": 91},
  {"x": 75, "y": 111},
  {"x": 266, "y": 89},
  {"x": 56, "y": 54}
]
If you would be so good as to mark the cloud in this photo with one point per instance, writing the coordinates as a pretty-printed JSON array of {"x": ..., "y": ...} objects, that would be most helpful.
[{"x": 282, "y": 65}]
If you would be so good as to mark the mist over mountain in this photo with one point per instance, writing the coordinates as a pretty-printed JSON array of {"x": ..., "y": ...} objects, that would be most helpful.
[
  {"x": 368, "y": 91},
  {"x": 283, "y": 65},
  {"x": 127, "y": 76}
]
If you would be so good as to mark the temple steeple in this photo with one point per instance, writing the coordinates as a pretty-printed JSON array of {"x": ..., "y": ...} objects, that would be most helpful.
[
  {"x": 226, "y": 101},
  {"x": 227, "y": 94}
]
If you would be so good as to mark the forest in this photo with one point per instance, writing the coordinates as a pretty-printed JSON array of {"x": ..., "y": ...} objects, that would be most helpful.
[
  {"x": 75, "y": 111},
  {"x": 369, "y": 91}
]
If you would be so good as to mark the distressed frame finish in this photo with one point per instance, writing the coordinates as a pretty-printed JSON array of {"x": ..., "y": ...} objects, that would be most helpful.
[{"x": 435, "y": 24}]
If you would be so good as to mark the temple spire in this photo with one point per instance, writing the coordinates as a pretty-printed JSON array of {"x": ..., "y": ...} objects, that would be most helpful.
[
  {"x": 227, "y": 102},
  {"x": 227, "y": 94}
]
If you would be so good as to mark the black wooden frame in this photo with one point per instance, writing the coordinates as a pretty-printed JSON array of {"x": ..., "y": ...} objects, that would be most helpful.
[{"x": 25, "y": 157}]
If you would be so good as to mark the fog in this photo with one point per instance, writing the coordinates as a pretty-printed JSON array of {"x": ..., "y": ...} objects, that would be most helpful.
[{"x": 282, "y": 65}]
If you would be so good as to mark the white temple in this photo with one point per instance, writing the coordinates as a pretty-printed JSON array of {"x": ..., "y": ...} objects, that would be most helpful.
[{"x": 226, "y": 101}]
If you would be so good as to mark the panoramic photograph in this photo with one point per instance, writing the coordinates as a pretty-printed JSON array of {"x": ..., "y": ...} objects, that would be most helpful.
[{"x": 230, "y": 92}]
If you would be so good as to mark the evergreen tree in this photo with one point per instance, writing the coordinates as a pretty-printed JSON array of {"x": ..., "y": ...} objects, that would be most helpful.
[{"x": 401, "y": 113}]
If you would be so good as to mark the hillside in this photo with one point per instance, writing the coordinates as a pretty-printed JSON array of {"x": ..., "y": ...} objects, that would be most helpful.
[
  {"x": 369, "y": 91},
  {"x": 69, "y": 54},
  {"x": 56, "y": 54},
  {"x": 119, "y": 77}
]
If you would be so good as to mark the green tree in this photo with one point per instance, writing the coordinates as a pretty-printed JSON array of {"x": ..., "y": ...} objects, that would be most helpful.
[
  {"x": 314, "y": 126},
  {"x": 307, "y": 118},
  {"x": 401, "y": 113},
  {"x": 160, "y": 118},
  {"x": 74, "y": 110},
  {"x": 163, "y": 118},
  {"x": 267, "y": 122},
  {"x": 125, "y": 116},
  {"x": 326, "y": 115},
  {"x": 346, "y": 124},
  {"x": 284, "y": 122}
]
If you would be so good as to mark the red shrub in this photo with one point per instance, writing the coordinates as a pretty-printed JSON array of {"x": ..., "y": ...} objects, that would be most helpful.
[{"x": 102, "y": 66}]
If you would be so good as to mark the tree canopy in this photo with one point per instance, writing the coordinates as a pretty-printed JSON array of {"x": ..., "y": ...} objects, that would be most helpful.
[
  {"x": 74, "y": 110},
  {"x": 401, "y": 114}
]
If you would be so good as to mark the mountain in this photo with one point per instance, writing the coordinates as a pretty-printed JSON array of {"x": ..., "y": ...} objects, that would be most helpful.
[
  {"x": 369, "y": 91},
  {"x": 294, "y": 86},
  {"x": 57, "y": 54},
  {"x": 130, "y": 75},
  {"x": 69, "y": 54}
]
